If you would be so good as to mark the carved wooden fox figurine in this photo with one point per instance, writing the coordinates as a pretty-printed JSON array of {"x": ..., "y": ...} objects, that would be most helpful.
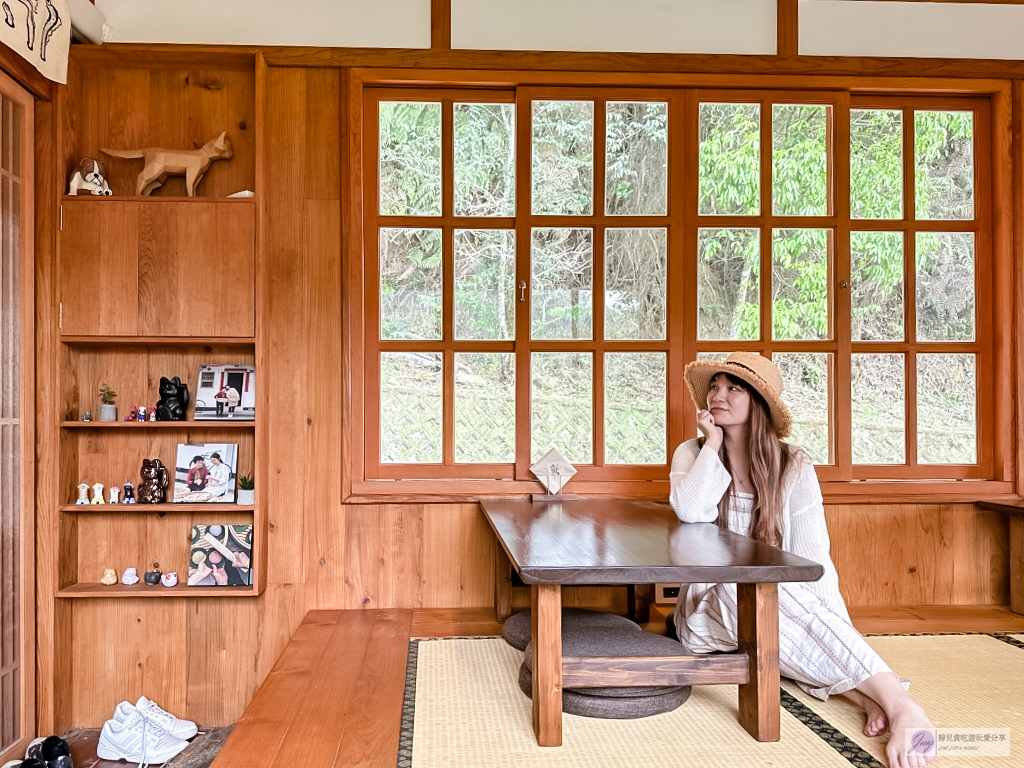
[{"x": 161, "y": 163}]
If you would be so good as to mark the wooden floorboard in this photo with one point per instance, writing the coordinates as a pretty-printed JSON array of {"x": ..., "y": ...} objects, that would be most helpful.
[{"x": 334, "y": 697}]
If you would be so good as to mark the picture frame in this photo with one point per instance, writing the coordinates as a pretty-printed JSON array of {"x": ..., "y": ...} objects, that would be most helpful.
[
  {"x": 225, "y": 392},
  {"x": 220, "y": 556},
  {"x": 205, "y": 473}
]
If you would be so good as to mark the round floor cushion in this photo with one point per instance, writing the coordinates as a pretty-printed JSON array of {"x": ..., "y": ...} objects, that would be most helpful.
[
  {"x": 517, "y": 630},
  {"x": 612, "y": 707}
]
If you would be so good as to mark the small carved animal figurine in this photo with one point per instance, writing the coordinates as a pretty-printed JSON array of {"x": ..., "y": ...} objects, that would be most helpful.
[
  {"x": 173, "y": 400},
  {"x": 97, "y": 494},
  {"x": 161, "y": 163},
  {"x": 109, "y": 577},
  {"x": 130, "y": 576},
  {"x": 133, "y": 414},
  {"x": 129, "y": 494},
  {"x": 169, "y": 579},
  {"x": 90, "y": 176},
  {"x": 152, "y": 577},
  {"x": 152, "y": 414},
  {"x": 114, "y": 491},
  {"x": 141, "y": 413},
  {"x": 83, "y": 493},
  {"x": 154, "y": 480}
]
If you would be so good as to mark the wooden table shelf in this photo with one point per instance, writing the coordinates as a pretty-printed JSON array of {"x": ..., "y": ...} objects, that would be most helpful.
[
  {"x": 190, "y": 424},
  {"x": 142, "y": 589},
  {"x": 211, "y": 507}
]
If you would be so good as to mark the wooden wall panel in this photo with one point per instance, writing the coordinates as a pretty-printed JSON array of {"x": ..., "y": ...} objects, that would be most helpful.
[{"x": 221, "y": 673}]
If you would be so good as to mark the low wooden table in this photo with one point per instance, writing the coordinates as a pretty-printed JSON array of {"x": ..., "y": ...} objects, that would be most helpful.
[
  {"x": 1015, "y": 511},
  {"x": 618, "y": 541}
]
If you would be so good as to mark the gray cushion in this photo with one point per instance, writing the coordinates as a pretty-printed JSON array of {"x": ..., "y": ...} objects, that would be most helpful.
[
  {"x": 517, "y": 631},
  {"x": 612, "y": 707}
]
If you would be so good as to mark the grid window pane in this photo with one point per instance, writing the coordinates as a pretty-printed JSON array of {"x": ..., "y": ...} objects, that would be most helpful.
[
  {"x": 878, "y": 386},
  {"x": 485, "y": 263},
  {"x": 876, "y": 163},
  {"x": 800, "y": 160},
  {"x": 562, "y": 405},
  {"x": 876, "y": 286},
  {"x": 636, "y": 157},
  {"x": 945, "y": 286},
  {"x": 563, "y": 157},
  {"x": 800, "y": 293},
  {"x": 485, "y": 407},
  {"x": 728, "y": 284},
  {"x": 410, "y": 283},
  {"x": 944, "y": 165},
  {"x": 806, "y": 389},
  {"x": 635, "y": 283},
  {"x": 947, "y": 408},
  {"x": 410, "y": 407},
  {"x": 410, "y": 158},
  {"x": 730, "y": 159},
  {"x": 485, "y": 164},
  {"x": 561, "y": 292},
  {"x": 718, "y": 357},
  {"x": 634, "y": 408}
]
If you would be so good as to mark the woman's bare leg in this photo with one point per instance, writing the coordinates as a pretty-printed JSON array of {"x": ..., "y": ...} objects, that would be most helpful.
[
  {"x": 876, "y": 723},
  {"x": 902, "y": 712}
]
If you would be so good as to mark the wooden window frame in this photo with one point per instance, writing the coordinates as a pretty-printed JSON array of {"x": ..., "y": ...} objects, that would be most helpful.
[{"x": 995, "y": 202}]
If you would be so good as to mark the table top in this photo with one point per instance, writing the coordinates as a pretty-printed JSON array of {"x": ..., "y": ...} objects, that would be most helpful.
[{"x": 631, "y": 541}]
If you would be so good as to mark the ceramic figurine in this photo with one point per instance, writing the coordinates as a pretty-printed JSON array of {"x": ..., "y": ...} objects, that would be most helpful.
[
  {"x": 173, "y": 400},
  {"x": 130, "y": 576},
  {"x": 83, "y": 493},
  {"x": 142, "y": 413},
  {"x": 129, "y": 494},
  {"x": 87, "y": 416},
  {"x": 91, "y": 177},
  {"x": 97, "y": 494},
  {"x": 114, "y": 491},
  {"x": 109, "y": 577},
  {"x": 152, "y": 414},
  {"x": 154, "y": 480},
  {"x": 152, "y": 577},
  {"x": 133, "y": 414},
  {"x": 169, "y": 579}
]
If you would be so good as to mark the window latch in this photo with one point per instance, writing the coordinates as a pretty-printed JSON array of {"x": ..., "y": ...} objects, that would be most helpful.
[{"x": 522, "y": 290}]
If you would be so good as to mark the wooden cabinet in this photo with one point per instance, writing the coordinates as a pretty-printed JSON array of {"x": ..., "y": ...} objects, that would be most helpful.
[{"x": 157, "y": 268}]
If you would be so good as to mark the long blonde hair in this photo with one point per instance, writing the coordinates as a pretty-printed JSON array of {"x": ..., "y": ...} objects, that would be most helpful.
[{"x": 770, "y": 460}]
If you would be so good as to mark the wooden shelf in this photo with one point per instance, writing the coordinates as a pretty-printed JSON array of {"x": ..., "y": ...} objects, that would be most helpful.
[
  {"x": 148, "y": 199},
  {"x": 210, "y": 506},
  {"x": 142, "y": 589},
  {"x": 161, "y": 341},
  {"x": 189, "y": 424}
]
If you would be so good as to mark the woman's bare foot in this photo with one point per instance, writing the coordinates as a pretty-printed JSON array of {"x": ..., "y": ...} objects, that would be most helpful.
[
  {"x": 876, "y": 723},
  {"x": 907, "y": 716}
]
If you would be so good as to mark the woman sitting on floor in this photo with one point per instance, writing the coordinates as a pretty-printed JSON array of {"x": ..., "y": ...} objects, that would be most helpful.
[{"x": 741, "y": 475}]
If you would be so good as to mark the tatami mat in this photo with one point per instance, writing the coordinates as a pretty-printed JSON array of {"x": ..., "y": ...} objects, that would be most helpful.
[
  {"x": 470, "y": 712},
  {"x": 962, "y": 681}
]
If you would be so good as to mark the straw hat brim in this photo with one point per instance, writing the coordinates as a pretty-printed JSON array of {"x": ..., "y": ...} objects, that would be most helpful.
[{"x": 699, "y": 373}]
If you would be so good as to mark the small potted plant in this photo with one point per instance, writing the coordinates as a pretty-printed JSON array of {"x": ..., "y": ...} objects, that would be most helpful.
[
  {"x": 246, "y": 490},
  {"x": 108, "y": 411}
]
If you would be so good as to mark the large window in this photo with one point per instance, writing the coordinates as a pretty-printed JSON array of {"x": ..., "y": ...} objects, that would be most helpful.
[{"x": 542, "y": 263}]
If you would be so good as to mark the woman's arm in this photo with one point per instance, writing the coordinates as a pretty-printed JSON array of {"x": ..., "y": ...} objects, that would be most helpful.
[{"x": 697, "y": 483}]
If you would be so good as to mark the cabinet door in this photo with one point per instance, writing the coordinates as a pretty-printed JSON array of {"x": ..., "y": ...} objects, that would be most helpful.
[
  {"x": 99, "y": 268},
  {"x": 196, "y": 269}
]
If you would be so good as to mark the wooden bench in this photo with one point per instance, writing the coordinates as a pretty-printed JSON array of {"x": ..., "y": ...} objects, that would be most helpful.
[
  {"x": 334, "y": 696},
  {"x": 1015, "y": 511}
]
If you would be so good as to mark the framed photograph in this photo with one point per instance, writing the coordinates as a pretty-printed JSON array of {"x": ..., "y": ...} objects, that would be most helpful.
[
  {"x": 225, "y": 392},
  {"x": 220, "y": 556},
  {"x": 205, "y": 473}
]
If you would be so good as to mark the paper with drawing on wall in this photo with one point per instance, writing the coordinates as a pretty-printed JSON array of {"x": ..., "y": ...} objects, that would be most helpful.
[
  {"x": 553, "y": 470},
  {"x": 40, "y": 32}
]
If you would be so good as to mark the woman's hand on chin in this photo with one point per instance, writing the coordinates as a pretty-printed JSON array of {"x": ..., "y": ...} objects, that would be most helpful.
[{"x": 713, "y": 434}]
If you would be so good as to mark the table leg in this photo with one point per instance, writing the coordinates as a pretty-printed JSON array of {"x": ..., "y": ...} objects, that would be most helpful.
[
  {"x": 502, "y": 583},
  {"x": 758, "y": 629},
  {"x": 546, "y": 631},
  {"x": 638, "y": 602},
  {"x": 1017, "y": 564}
]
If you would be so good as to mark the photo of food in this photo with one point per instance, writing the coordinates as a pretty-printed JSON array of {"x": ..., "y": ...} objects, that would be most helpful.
[{"x": 220, "y": 555}]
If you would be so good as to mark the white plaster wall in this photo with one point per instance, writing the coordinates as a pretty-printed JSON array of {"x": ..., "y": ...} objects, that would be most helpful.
[
  {"x": 643, "y": 26},
  {"x": 356, "y": 23},
  {"x": 944, "y": 30}
]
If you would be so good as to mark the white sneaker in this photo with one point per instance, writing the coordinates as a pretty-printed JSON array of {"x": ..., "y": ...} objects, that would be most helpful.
[
  {"x": 182, "y": 729},
  {"x": 137, "y": 739}
]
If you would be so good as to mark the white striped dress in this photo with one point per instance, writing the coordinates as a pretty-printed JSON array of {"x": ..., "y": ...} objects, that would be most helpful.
[{"x": 819, "y": 647}]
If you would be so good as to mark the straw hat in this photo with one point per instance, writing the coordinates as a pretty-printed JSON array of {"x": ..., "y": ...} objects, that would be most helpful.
[{"x": 759, "y": 372}]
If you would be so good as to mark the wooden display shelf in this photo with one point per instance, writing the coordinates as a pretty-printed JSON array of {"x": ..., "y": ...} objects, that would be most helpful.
[
  {"x": 142, "y": 589},
  {"x": 151, "y": 198},
  {"x": 189, "y": 424},
  {"x": 162, "y": 341},
  {"x": 211, "y": 507}
]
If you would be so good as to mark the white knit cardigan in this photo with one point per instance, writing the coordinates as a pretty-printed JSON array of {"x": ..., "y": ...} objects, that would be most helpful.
[{"x": 699, "y": 480}]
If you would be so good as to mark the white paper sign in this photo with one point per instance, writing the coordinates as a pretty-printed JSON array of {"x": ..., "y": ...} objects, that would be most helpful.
[
  {"x": 553, "y": 470},
  {"x": 40, "y": 32}
]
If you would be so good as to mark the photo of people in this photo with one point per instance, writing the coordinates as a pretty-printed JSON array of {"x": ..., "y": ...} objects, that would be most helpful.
[
  {"x": 226, "y": 392},
  {"x": 205, "y": 473},
  {"x": 220, "y": 555}
]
